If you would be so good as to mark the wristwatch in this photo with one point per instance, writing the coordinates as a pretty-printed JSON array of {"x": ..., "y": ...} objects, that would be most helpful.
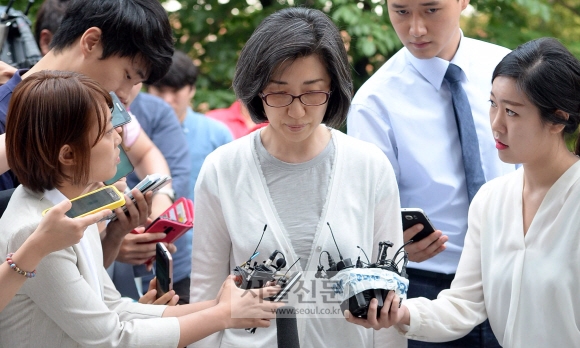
[{"x": 169, "y": 192}]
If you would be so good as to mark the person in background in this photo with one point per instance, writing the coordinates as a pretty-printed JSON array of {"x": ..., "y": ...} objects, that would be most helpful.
[
  {"x": 203, "y": 136},
  {"x": 440, "y": 157},
  {"x": 521, "y": 250},
  {"x": 236, "y": 118},
  {"x": 60, "y": 139},
  {"x": 297, "y": 175}
]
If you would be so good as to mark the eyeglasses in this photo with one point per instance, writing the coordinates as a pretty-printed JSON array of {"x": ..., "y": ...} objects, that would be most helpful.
[{"x": 280, "y": 100}]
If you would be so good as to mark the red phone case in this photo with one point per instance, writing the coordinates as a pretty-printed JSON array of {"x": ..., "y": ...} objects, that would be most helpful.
[{"x": 174, "y": 222}]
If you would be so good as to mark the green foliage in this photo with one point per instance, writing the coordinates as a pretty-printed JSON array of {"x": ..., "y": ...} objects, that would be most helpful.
[{"x": 214, "y": 31}]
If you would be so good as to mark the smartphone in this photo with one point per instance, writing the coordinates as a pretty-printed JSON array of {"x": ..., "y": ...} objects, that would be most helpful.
[
  {"x": 107, "y": 197},
  {"x": 124, "y": 168},
  {"x": 163, "y": 270},
  {"x": 120, "y": 115},
  {"x": 152, "y": 182},
  {"x": 413, "y": 216}
]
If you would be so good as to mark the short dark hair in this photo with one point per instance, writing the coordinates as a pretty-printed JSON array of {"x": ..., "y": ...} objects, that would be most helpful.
[
  {"x": 130, "y": 28},
  {"x": 181, "y": 73},
  {"x": 49, "y": 16},
  {"x": 48, "y": 110},
  {"x": 284, "y": 36},
  {"x": 549, "y": 75}
]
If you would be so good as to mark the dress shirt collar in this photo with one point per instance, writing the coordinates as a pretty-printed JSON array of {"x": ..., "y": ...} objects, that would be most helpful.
[
  {"x": 434, "y": 69},
  {"x": 55, "y": 196}
]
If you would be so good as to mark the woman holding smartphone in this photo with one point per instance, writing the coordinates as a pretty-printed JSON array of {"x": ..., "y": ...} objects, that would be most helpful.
[
  {"x": 60, "y": 140},
  {"x": 56, "y": 231},
  {"x": 520, "y": 264},
  {"x": 298, "y": 175}
]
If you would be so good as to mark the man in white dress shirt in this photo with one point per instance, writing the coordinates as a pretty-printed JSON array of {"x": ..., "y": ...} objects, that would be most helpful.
[{"x": 406, "y": 109}]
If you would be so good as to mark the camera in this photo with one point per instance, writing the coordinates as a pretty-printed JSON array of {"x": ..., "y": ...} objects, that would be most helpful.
[
  {"x": 356, "y": 285},
  {"x": 17, "y": 44}
]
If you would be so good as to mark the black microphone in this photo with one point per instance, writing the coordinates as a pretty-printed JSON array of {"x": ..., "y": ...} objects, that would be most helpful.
[{"x": 287, "y": 327}]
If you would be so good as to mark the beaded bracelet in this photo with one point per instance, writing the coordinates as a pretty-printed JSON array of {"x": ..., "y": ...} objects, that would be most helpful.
[{"x": 17, "y": 269}]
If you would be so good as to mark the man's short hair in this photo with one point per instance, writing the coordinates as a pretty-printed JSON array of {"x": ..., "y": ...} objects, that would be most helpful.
[
  {"x": 49, "y": 16},
  {"x": 48, "y": 110},
  {"x": 181, "y": 73},
  {"x": 138, "y": 29}
]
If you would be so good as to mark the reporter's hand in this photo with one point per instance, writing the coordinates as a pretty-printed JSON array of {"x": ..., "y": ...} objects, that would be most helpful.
[
  {"x": 247, "y": 308},
  {"x": 137, "y": 214},
  {"x": 169, "y": 299},
  {"x": 6, "y": 72},
  {"x": 391, "y": 314},
  {"x": 427, "y": 247},
  {"x": 57, "y": 231},
  {"x": 136, "y": 249},
  {"x": 121, "y": 184}
]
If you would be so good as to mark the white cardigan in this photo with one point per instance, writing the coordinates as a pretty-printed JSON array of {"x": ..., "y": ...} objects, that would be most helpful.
[
  {"x": 233, "y": 204},
  {"x": 61, "y": 307},
  {"x": 529, "y": 287}
]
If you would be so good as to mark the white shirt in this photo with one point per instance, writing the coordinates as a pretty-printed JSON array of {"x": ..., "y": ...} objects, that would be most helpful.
[
  {"x": 233, "y": 204},
  {"x": 528, "y": 285},
  {"x": 405, "y": 108},
  {"x": 55, "y": 196}
]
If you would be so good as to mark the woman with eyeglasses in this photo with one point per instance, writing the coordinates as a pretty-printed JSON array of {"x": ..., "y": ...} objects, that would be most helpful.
[{"x": 298, "y": 175}]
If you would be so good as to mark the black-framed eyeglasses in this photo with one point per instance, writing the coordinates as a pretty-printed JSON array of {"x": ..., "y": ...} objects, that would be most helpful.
[{"x": 280, "y": 100}]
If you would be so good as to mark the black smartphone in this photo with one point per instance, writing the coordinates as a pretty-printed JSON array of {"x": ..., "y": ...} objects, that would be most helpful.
[
  {"x": 120, "y": 115},
  {"x": 413, "y": 216},
  {"x": 124, "y": 168},
  {"x": 163, "y": 270}
]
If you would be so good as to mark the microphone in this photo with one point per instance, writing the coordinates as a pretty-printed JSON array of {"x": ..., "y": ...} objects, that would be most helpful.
[{"x": 287, "y": 328}]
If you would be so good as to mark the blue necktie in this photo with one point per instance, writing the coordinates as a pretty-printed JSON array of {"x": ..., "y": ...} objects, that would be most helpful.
[{"x": 467, "y": 134}]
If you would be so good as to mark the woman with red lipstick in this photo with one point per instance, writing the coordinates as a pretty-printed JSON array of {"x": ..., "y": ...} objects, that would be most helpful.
[
  {"x": 297, "y": 175},
  {"x": 520, "y": 264}
]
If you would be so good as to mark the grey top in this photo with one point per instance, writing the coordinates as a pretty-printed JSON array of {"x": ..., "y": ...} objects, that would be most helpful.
[{"x": 298, "y": 192}]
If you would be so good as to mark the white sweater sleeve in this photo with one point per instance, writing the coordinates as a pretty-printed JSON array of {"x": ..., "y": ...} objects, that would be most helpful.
[
  {"x": 387, "y": 226},
  {"x": 211, "y": 244},
  {"x": 458, "y": 310}
]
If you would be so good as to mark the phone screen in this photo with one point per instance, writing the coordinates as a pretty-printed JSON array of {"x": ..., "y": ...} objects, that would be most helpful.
[
  {"x": 92, "y": 202},
  {"x": 163, "y": 270},
  {"x": 119, "y": 113},
  {"x": 124, "y": 168}
]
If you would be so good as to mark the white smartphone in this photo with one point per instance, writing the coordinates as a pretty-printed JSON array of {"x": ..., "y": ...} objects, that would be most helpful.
[{"x": 152, "y": 182}]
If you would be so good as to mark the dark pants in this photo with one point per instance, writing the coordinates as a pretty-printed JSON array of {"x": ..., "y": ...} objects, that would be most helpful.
[
  {"x": 428, "y": 284},
  {"x": 181, "y": 288}
]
